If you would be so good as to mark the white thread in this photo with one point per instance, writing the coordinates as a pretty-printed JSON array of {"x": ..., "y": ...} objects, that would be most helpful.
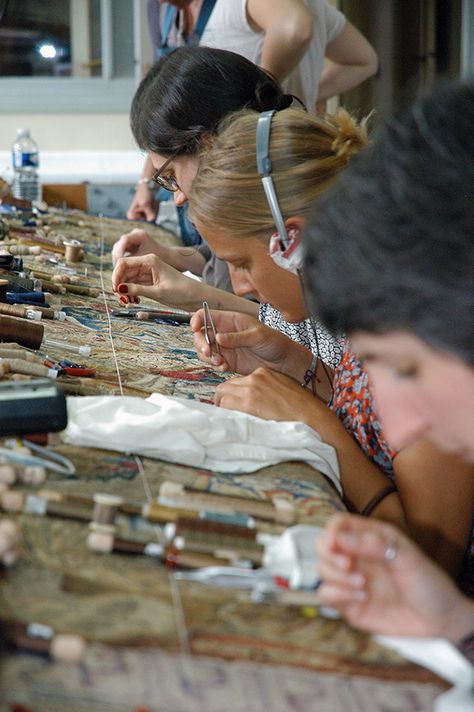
[
  {"x": 182, "y": 631},
  {"x": 107, "y": 311}
]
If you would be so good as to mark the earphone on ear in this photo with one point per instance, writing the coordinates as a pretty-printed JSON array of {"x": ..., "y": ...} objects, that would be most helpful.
[{"x": 264, "y": 167}]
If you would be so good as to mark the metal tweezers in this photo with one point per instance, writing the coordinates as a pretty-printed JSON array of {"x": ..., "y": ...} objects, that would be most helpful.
[{"x": 209, "y": 328}]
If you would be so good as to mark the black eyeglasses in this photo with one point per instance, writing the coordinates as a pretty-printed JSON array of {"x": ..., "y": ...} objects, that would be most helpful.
[{"x": 166, "y": 182}]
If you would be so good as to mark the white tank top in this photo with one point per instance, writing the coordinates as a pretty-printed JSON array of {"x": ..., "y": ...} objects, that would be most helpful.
[{"x": 228, "y": 28}]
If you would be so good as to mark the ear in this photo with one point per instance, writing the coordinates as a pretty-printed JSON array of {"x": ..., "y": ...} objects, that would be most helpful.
[{"x": 294, "y": 228}]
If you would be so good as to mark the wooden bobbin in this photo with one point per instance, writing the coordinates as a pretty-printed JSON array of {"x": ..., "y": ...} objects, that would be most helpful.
[
  {"x": 73, "y": 250},
  {"x": 4, "y": 285},
  {"x": 10, "y": 539},
  {"x": 14, "y": 310},
  {"x": 8, "y": 475},
  {"x": 105, "y": 509},
  {"x": 21, "y": 331},
  {"x": 19, "y": 365}
]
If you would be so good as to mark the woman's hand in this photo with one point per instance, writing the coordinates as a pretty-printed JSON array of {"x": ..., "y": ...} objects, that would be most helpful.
[
  {"x": 271, "y": 395},
  {"x": 135, "y": 243},
  {"x": 381, "y": 582},
  {"x": 144, "y": 205},
  {"x": 246, "y": 344},
  {"x": 148, "y": 276}
]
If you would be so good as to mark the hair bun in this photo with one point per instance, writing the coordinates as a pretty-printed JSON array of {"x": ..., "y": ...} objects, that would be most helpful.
[
  {"x": 350, "y": 135},
  {"x": 284, "y": 101}
]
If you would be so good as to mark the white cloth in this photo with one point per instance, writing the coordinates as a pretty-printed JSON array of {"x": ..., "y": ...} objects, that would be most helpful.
[
  {"x": 228, "y": 27},
  {"x": 194, "y": 433},
  {"x": 445, "y": 660},
  {"x": 293, "y": 556}
]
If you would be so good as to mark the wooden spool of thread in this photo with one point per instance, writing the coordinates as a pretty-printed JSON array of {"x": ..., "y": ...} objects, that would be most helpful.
[
  {"x": 8, "y": 353},
  {"x": 4, "y": 288},
  {"x": 52, "y": 287},
  {"x": 18, "y": 365},
  {"x": 18, "y": 311},
  {"x": 42, "y": 639},
  {"x": 22, "y": 331},
  {"x": 105, "y": 509},
  {"x": 73, "y": 250},
  {"x": 10, "y": 538}
]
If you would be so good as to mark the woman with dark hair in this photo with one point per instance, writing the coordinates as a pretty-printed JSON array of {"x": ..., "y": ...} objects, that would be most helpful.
[
  {"x": 177, "y": 106},
  {"x": 390, "y": 259}
]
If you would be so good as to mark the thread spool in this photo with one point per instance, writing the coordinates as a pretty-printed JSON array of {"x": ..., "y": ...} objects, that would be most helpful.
[
  {"x": 9, "y": 353},
  {"x": 10, "y": 538},
  {"x": 4, "y": 287},
  {"x": 78, "y": 289},
  {"x": 19, "y": 311},
  {"x": 8, "y": 475},
  {"x": 42, "y": 639},
  {"x": 105, "y": 509},
  {"x": 23, "y": 332},
  {"x": 53, "y": 287},
  {"x": 72, "y": 250},
  {"x": 18, "y": 365}
]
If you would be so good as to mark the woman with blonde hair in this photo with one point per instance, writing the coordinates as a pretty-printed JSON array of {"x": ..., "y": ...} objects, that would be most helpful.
[{"x": 249, "y": 182}]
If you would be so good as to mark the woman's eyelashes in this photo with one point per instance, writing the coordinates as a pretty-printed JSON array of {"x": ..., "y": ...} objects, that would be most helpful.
[{"x": 405, "y": 371}]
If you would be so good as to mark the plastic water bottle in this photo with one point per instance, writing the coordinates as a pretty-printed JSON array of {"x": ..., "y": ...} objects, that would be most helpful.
[{"x": 25, "y": 159}]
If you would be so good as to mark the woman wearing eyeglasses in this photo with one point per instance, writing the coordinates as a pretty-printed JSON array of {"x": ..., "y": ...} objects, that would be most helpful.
[
  {"x": 428, "y": 493},
  {"x": 174, "y": 113}
]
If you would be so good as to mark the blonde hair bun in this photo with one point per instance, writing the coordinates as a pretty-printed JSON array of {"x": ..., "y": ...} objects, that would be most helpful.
[{"x": 350, "y": 136}]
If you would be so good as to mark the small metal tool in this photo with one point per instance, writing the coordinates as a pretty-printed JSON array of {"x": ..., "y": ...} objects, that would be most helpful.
[{"x": 209, "y": 328}]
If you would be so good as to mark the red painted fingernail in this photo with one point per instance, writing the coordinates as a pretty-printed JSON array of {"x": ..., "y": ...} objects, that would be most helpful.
[
  {"x": 122, "y": 289},
  {"x": 125, "y": 300}
]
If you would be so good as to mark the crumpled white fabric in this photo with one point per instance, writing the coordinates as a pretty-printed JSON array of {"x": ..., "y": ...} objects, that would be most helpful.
[
  {"x": 445, "y": 660},
  {"x": 293, "y": 556},
  {"x": 193, "y": 433}
]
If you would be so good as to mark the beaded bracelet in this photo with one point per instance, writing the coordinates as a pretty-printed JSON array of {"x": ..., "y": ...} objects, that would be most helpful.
[{"x": 376, "y": 499}]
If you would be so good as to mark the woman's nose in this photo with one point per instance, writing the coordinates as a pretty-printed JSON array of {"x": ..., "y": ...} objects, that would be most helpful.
[{"x": 180, "y": 198}]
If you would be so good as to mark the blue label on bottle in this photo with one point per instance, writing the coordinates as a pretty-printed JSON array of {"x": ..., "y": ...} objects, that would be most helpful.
[{"x": 21, "y": 160}]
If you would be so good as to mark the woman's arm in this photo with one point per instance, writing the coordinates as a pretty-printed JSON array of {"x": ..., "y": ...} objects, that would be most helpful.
[
  {"x": 437, "y": 494},
  {"x": 273, "y": 396},
  {"x": 288, "y": 28},
  {"x": 144, "y": 205},
  {"x": 352, "y": 60},
  {"x": 149, "y": 276}
]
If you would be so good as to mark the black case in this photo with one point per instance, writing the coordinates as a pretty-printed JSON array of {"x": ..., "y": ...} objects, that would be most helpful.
[{"x": 36, "y": 406}]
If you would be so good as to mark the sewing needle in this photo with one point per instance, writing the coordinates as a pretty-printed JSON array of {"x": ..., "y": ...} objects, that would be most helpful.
[{"x": 209, "y": 326}]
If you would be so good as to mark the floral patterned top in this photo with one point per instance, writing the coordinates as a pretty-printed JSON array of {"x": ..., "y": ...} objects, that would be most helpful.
[{"x": 353, "y": 404}]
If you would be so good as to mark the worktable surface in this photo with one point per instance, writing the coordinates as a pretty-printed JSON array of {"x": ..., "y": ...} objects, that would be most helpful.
[{"x": 151, "y": 637}]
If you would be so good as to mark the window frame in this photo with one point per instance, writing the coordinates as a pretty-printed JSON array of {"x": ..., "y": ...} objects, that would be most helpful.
[{"x": 83, "y": 94}]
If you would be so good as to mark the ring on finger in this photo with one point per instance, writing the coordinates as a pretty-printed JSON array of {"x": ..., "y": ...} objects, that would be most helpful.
[{"x": 391, "y": 551}]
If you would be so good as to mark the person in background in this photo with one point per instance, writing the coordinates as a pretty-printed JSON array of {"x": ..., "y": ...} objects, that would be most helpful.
[
  {"x": 398, "y": 277},
  {"x": 427, "y": 492}
]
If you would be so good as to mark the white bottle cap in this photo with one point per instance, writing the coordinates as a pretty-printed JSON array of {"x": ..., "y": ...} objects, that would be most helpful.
[{"x": 20, "y": 133}]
